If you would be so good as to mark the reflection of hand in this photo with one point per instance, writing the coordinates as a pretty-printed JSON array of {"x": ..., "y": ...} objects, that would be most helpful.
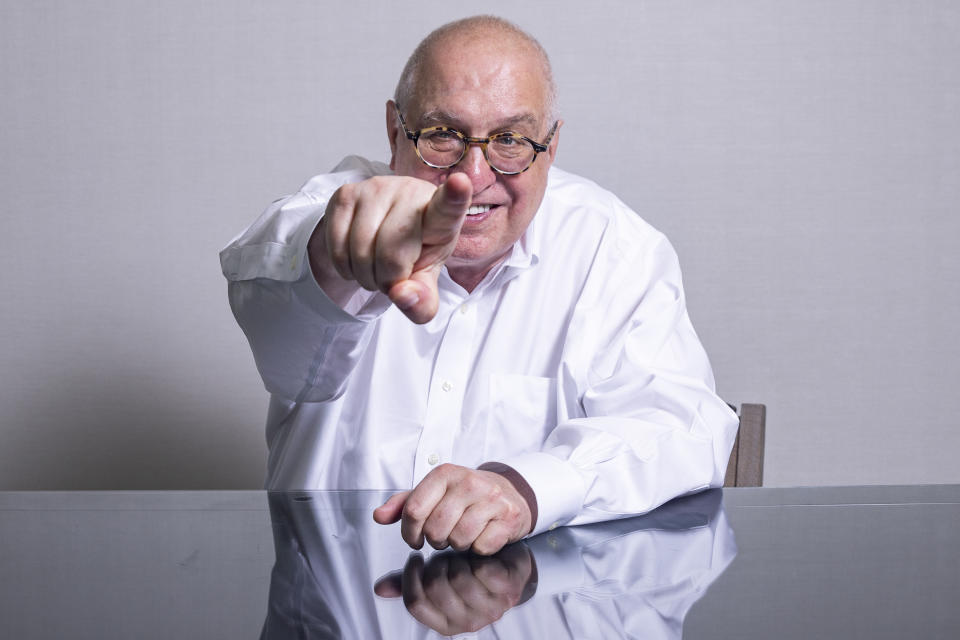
[
  {"x": 461, "y": 508},
  {"x": 459, "y": 592},
  {"x": 390, "y": 234}
]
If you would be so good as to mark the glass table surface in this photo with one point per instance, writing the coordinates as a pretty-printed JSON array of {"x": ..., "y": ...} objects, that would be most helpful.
[{"x": 838, "y": 562}]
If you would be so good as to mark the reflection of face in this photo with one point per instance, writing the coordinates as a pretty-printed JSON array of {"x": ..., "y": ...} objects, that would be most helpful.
[{"x": 481, "y": 87}]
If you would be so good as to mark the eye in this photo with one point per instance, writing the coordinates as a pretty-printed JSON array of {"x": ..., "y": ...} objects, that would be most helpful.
[
  {"x": 508, "y": 140},
  {"x": 441, "y": 140},
  {"x": 510, "y": 146},
  {"x": 439, "y": 135}
]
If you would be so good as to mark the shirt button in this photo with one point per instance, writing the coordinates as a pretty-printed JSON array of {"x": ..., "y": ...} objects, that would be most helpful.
[
  {"x": 433, "y": 459},
  {"x": 464, "y": 308},
  {"x": 447, "y": 385}
]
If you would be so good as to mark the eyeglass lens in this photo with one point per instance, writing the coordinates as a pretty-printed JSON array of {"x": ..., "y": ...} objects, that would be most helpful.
[{"x": 507, "y": 153}]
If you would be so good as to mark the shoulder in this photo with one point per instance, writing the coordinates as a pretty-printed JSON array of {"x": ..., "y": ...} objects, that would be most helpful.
[
  {"x": 350, "y": 169},
  {"x": 578, "y": 213}
]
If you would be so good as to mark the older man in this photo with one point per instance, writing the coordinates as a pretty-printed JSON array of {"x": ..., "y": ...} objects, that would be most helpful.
[{"x": 505, "y": 342}]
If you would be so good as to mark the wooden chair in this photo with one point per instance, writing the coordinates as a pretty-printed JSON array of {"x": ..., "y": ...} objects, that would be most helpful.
[{"x": 745, "y": 468}]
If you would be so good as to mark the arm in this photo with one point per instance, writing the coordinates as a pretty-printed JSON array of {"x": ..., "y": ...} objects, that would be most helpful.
[
  {"x": 640, "y": 422},
  {"x": 304, "y": 344},
  {"x": 305, "y": 288}
]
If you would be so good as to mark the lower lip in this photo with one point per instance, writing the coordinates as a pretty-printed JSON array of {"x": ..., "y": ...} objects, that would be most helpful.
[{"x": 480, "y": 217}]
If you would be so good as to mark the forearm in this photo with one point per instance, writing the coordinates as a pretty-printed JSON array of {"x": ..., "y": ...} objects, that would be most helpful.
[
  {"x": 301, "y": 352},
  {"x": 595, "y": 469}
]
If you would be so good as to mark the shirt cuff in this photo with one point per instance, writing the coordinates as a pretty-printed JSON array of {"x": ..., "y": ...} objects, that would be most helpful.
[
  {"x": 557, "y": 487},
  {"x": 363, "y": 306}
]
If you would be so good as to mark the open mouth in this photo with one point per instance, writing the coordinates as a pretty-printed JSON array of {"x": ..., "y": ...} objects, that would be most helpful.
[{"x": 478, "y": 209}]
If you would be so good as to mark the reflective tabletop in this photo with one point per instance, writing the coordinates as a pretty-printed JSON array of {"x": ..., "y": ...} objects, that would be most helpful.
[{"x": 845, "y": 562}]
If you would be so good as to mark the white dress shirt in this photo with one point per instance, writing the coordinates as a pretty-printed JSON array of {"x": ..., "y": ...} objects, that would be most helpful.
[{"x": 573, "y": 361}]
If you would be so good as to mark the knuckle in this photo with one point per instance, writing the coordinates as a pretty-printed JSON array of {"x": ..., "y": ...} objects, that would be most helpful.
[
  {"x": 345, "y": 196},
  {"x": 432, "y": 532},
  {"x": 475, "y": 484},
  {"x": 512, "y": 512},
  {"x": 391, "y": 267},
  {"x": 415, "y": 510},
  {"x": 419, "y": 609},
  {"x": 445, "y": 471},
  {"x": 459, "y": 544},
  {"x": 488, "y": 546}
]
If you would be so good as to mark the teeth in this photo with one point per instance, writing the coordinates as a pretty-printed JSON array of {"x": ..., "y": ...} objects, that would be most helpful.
[{"x": 480, "y": 208}]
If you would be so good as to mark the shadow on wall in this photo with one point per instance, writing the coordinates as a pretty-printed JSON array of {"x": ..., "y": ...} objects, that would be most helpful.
[{"x": 110, "y": 428}]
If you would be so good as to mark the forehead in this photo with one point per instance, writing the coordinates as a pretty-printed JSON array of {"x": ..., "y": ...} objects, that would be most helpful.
[{"x": 481, "y": 83}]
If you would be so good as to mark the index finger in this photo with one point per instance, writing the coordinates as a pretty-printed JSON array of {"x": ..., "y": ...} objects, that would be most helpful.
[
  {"x": 447, "y": 209},
  {"x": 419, "y": 505}
]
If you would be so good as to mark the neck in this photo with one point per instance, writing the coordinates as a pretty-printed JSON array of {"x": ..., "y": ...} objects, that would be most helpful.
[{"x": 469, "y": 277}]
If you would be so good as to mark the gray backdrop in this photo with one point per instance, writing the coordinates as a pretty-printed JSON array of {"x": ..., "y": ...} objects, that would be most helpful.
[{"x": 804, "y": 157}]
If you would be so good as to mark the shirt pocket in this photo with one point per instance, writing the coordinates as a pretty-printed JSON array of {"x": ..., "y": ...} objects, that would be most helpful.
[{"x": 522, "y": 412}]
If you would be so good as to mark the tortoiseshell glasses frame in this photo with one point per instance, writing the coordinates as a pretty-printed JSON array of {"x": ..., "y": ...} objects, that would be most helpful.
[{"x": 523, "y": 153}]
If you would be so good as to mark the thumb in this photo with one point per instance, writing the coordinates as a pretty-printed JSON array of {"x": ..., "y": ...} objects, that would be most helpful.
[
  {"x": 440, "y": 226},
  {"x": 391, "y": 510},
  {"x": 417, "y": 296},
  {"x": 446, "y": 210}
]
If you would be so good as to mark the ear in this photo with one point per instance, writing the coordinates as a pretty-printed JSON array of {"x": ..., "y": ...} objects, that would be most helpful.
[
  {"x": 393, "y": 130},
  {"x": 552, "y": 147}
]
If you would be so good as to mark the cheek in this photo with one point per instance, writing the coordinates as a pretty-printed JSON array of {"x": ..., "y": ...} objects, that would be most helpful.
[
  {"x": 525, "y": 202},
  {"x": 412, "y": 167}
]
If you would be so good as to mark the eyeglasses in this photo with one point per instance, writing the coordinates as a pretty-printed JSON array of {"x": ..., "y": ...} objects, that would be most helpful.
[{"x": 506, "y": 153}]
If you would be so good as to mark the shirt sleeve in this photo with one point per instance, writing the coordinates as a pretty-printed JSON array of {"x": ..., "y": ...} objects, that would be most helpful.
[
  {"x": 640, "y": 422},
  {"x": 305, "y": 345}
]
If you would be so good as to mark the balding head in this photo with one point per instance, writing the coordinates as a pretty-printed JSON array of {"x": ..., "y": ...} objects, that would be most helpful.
[{"x": 489, "y": 31}]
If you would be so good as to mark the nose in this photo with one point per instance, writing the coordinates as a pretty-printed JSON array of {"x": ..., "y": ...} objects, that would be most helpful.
[{"x": 475, "y": 166}]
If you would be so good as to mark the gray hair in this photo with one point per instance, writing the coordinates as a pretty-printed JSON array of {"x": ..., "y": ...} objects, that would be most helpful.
[{"x": 403, "y": 95}]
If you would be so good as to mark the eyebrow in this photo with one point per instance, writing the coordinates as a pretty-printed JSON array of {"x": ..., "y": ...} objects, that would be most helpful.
[{"x": 435, "y": 117}]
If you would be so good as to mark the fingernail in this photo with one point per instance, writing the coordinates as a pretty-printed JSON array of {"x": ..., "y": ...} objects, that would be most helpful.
[{"x": 407, "y": 299}]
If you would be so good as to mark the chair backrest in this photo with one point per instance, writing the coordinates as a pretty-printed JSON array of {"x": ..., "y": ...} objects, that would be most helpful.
[{"x": 745, "y": 468}]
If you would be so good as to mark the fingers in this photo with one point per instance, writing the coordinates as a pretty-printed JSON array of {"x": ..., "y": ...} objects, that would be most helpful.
[
  {"x": 421, "y": 504},
  {"x": 447, "y": 209},
  {"x": 389, "y": 585},
  {"x": 464, "y": 508},
  {"x": 494, "y": 537},
  {"x": 398, "y": 246},
  {"x": 336, "y": 227},
  {"x": 357, "y": 231},
  {"x": 472, "y": 524},
  {"x": 394, "y": 234},
  {"x": 391, "y": 510},
  {"x": 448, "y": 594}
]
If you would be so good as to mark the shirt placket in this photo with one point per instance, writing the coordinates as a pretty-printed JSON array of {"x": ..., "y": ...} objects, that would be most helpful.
[{"x": 447, "y": 387}]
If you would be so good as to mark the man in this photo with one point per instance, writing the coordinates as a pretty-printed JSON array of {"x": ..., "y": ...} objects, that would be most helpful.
[{"x": 506, "y": 342}]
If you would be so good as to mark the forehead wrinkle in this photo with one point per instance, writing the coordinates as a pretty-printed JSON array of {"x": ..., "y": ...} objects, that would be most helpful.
[{"x": 438, "y": 117}]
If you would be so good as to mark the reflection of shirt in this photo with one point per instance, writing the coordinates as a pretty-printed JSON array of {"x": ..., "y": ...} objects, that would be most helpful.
[
  {"x": 636, "y": 578},
  {"x": 573, "y": 361}
]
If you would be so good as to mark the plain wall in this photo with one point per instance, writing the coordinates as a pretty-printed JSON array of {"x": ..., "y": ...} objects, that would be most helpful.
[{"x": 804, "y": 158}]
